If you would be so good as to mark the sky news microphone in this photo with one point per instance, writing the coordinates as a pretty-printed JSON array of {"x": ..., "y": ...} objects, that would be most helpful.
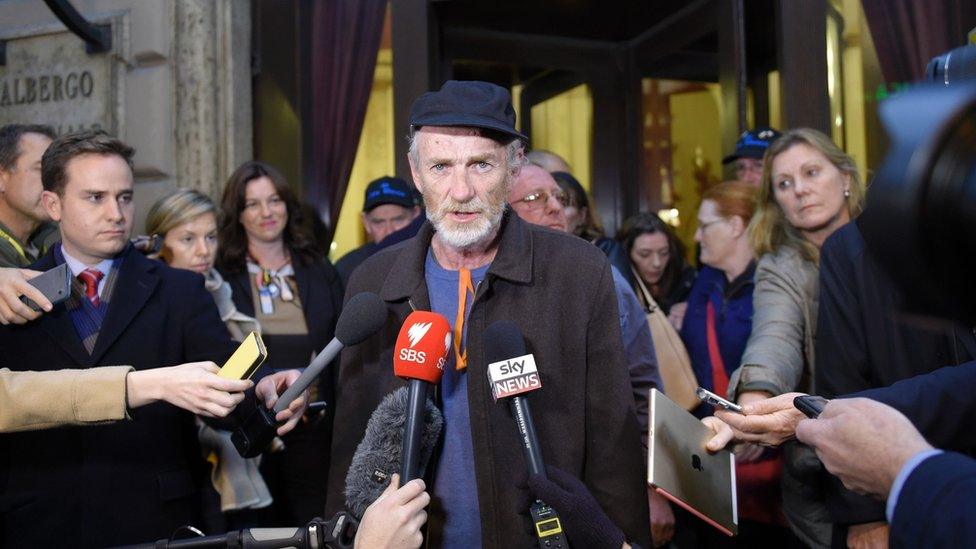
[
  {"x": 361, "y": 317},
  {"x": 511, "y": 373},
  {"x": 378, "y": 455},
  {"x": 419, "y": 356}
]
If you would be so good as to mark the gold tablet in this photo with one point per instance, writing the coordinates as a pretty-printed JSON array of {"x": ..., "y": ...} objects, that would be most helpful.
[
  {"x": 246, "y": 359},
  {"x": 682, "y": 470}
]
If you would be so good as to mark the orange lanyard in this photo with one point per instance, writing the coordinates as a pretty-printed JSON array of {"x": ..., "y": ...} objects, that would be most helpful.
[{"x": 465, "y": 287}]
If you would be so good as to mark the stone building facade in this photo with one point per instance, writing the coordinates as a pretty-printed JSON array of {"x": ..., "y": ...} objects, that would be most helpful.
[{"x": 176, "y": 84}]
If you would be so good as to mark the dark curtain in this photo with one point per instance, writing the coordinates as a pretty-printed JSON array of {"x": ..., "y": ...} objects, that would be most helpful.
[
  {"x": 908, "y": 33},
  {"x": 345, "y": 38}
]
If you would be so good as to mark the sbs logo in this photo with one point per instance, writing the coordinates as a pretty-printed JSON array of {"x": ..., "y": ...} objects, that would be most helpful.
[{"x": 417, "y": 332}]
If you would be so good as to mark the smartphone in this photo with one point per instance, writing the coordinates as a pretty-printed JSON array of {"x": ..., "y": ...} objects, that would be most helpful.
[
  {"x": 810, "y": 405},
  {"x": 709, "y": 397},
  {"x": 246, "y": 359},
  {"x": 54, "y": 284}
]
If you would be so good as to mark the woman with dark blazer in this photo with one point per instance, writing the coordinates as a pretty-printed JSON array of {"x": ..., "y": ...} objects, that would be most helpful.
[{"x": 279, "y": 277}]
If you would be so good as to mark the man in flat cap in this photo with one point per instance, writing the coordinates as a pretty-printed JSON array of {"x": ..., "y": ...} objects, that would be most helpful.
[{"x": 476, "y": 262}]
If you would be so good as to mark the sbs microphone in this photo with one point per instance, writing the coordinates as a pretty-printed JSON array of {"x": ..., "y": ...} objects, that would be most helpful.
[
  {"x": 419, "y": 356},
  {"x": 362, "y": 316},
  {"x": 378, "y": 455},
  {"x": 512, "y": 372}
]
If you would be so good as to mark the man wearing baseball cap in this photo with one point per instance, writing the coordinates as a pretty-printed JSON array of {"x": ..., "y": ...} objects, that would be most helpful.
[
  {"x": 389, "y": 205},
  {"x": 476, "y": 262},
  {"x": 747, "y": 158}
]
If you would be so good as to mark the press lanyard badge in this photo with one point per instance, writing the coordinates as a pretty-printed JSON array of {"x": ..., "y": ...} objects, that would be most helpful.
[
  {"x": 272, "y": 285},
  {"x": 267, "y": 291},
  {"x": 267, "y": 301}
]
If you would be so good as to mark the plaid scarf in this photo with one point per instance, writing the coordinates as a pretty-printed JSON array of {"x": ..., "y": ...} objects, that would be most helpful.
[{"x": 87, "y": 318}]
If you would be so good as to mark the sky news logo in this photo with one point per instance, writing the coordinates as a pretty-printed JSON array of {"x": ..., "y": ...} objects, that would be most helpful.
[{"x": 513, "y": 376}]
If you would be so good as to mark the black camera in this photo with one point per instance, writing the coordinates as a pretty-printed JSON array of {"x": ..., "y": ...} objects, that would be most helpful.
[{"x": 920, "y": 220}]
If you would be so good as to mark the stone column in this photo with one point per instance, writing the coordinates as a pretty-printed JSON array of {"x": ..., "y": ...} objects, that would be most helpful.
[{"x": 213, "y": 91}]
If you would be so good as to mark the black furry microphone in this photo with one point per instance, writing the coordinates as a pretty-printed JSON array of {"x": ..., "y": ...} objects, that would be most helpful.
[{"x": 378, "y": 456}]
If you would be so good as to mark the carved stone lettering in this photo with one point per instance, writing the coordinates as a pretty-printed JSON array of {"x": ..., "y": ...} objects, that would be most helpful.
[
  {"x": 50, "y": 79},
  {"x": 45, "y": 90}
]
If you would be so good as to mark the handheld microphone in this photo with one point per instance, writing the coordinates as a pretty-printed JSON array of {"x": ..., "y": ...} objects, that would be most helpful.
[
  {"x": 378, "y": 456},
  {"x": 362, "y": 316},
  {"x": 419, "y": 356},
  {"x": 512, "y": 372}
]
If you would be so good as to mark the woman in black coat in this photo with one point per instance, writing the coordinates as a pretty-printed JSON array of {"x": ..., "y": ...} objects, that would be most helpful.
[{"x": 280, "y": 278}]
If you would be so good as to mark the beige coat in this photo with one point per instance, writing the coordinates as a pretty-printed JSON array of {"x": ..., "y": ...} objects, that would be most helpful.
[
  {"x": 779, "y": 359},
  {"x": 779, "y": 356},
  {"x": 41, "y": 400}
]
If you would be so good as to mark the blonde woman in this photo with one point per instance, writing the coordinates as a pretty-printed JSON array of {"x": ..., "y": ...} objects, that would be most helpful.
[
  {"x": 810, "y": 188},
  {"x": 186, "y": 220}
]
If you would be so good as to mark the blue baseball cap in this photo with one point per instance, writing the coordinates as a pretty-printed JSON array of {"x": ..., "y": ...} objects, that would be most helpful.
[
  {"x": 753, "y": 144},
  {"x": 388, "y": 190}
]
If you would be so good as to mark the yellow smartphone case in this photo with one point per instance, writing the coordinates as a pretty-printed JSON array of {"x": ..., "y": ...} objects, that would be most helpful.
[{"x": 246, "y": 359}]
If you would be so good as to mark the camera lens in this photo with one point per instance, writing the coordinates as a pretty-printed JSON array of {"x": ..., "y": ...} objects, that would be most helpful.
[{"x": 920, "y": 220}]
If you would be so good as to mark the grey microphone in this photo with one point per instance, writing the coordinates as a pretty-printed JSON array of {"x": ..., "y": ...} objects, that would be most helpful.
[{"x": 361, "y": 317}]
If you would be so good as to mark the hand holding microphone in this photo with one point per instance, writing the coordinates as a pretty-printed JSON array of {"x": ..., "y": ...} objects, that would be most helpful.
[
  {"x": 362, "y": 316},
  {"x": 267, "y": 391},
  {"x": 585, "y": 522},
  {"x": 394, "y": 520},
  {"x": 404, "y": 428},
  {"x": 511, "y": 372}
]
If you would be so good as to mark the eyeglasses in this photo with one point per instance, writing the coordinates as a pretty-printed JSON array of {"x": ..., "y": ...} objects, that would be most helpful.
[{"x": 538, "y": 199}]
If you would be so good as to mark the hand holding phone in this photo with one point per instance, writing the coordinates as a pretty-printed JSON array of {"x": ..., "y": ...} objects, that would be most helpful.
[
  {"x": 55, "y": 284},
  {"x": 709, "y": 397},
  {"x": 810, "y": 405}
]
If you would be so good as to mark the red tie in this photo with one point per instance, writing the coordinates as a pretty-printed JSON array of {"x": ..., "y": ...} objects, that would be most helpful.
[{"x": 91, "y": 277}]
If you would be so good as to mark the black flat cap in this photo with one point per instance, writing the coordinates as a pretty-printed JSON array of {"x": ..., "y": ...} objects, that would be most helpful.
[{"x": 468, "y": 103}]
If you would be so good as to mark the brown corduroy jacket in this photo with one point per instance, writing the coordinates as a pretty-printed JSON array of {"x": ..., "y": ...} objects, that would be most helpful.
[{"x": 558, "y": 289}]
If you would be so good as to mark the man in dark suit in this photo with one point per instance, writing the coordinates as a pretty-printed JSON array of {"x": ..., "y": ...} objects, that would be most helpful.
[
  {"x": 863, "y": 342},
  {"x": 125, "y": 482},
  {"x": 873, "y": 441},
  {"x": 928, "y": 491}
]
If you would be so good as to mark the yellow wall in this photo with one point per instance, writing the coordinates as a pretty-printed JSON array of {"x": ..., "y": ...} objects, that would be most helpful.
[
  {"x": 374, "y": 158},
  {"x": 696, "y": 146},
  {"x": 775, "y": 103},
  {"x": 862, "y": 75},
  {"x": 564, "y": 125}
]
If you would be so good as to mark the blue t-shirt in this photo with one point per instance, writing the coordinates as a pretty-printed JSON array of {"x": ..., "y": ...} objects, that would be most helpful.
[{"x": 454, "y": 484}]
